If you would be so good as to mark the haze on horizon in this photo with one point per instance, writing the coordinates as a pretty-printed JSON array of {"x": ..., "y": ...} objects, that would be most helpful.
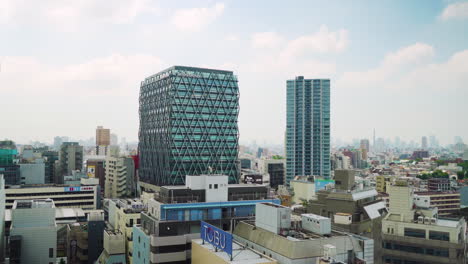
[{"x": 397, "y": 66}]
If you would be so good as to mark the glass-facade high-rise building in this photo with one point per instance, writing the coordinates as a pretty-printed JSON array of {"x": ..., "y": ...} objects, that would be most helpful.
[
  {"x": 188, "y": 125},
  {"x": 307, "y": 127}
]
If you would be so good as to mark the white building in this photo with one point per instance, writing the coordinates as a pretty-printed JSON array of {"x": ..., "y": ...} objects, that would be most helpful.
[
  {"x": 34, "y": 232},
  {"x": 85, "y": 197}
]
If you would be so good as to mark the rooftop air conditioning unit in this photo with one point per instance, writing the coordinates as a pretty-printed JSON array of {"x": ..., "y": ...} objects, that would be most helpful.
[
  {"x": 420, "y": 220},
  {"x": 427, "y": 220},
  {"x": 433, "y": 221}
]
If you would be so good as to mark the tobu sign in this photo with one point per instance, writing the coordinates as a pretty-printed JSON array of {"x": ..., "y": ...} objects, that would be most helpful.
[{"x": 217, "y": 237}]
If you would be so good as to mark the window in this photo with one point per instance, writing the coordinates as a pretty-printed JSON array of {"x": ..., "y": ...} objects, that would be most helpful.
[
  {"x": 435, "y": 235},
  {"x": 411, "y": 232},
  {"x": 210, "y": 186},
  {"x": 216, "y": 186},
  {"x": 51, "y": 252}
]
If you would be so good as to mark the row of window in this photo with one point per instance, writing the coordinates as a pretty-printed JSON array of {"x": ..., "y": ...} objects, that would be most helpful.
[
  {"x": 417, "y": 249},
  {"x": 421, "y": 233}
]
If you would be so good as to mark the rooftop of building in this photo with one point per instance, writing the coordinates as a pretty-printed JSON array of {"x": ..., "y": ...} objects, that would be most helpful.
[
  {"x": 299, "y": 244},
  {"x": 60, "y": 213},
  {"x": 31, "y": 204},
  {"x": 26, "y": 186},
  {"x": 241, "y": 254},
  {"x": 188, "y": 68},
  {"x": 441, "y": 222}
]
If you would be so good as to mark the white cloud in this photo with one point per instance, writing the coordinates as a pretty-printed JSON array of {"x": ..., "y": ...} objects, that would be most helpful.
[
  {"x": 323, "y": 41},
  {"x": 393, "y": 66},
  {"x": 452, "y": 74},
  {"x": 457, "y": 10},
  {"x": 232, "y": 37},
  {"x": 70, "y": 13},
  {"x": 102, "y": 91},
  {"x": 266, "y": 40},
  {"x": 194, "y": 19}
]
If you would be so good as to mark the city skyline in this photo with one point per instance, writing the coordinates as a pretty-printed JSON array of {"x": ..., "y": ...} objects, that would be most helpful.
[{"x": 397, "y": 67}]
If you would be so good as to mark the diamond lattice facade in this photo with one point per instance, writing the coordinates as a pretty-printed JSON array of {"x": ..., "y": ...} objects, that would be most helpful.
[
  {"x": 307, "y": 128},
  {"x": 188, "y": 125}
]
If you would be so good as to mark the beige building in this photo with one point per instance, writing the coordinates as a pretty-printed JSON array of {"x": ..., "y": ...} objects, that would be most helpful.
[
  {"x": 413, "y": 234},
  {"x": 114, "y": 248},
  {"x": 381, "y": 182},
  {"x": 303, "y": 189},
  {"x": 123, "y": 214},
  {"x": 119, "y": 177},
  {"x": 206, "y": 253}
]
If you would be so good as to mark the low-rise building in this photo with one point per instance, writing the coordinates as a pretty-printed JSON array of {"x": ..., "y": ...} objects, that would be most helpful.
[
  {"x": 206, "y": 253},
  {"x": 33, "y": 233},
  {"x": 114, "y": 248},
  {"x": 173, "y": 216},
  {"x": 64, "y": 196},
  {"x": 415, "y": 234},
  {"x": 123, "y": 215},
  {"x": 447, "y": 203},
  {"x": 85, "y": 239},
  {"x": 303, "y": 188},
  {"x": 306, "y": 239}
]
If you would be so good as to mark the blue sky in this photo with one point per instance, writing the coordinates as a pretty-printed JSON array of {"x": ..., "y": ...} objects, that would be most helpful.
[{"x": 400, "y": 67}]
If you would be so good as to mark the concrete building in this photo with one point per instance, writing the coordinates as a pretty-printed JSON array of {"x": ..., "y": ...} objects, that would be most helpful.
[
  {"x": 85, "y": 240},
  {"x": 95, "y": 168},
  {"x": 85, "y": 197},
  {"x": 33, "y": 233},
  {"x": 120, "y": 176},
  {"x": 416, "y": 234},
  {"x": 303, "y": 189},
  {"x": 123, "y": 215},
  {"x": 351, "y": 207},
  {"x": 424, "y": 143},
  {"x": 275, "y": 168},
  {"x": 50, "y": 157},
  {"x": 102, "y": 136},
  {"x": 114, "y": 248},
  {"x": 299, "y": 243},
  {"x": 447, "y": 203},
  {"x": 32, "y": 173},
  {"x": 307, "y": 127},
  {"x": 70, "y": 159},
  {"x": 381, "y": 182},
  {"x": 173, "y": 216},
  {"x": 438, "y": 184},
  {"x": 206, "y": 253},
  {"x": 365, "y": 145}
]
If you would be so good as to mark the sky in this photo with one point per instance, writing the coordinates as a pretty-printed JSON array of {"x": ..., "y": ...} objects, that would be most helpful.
[{"x": 399, "y": 67}]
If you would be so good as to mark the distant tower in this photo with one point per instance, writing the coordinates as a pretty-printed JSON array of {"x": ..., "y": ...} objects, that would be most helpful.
[
  {"x": 373, "y": 143},
  {"x": 424, "y": 142},
  {"x": 102, "y": 140}
]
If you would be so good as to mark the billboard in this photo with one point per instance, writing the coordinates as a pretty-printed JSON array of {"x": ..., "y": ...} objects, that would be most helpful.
[
  {"x": 321, "y": 183},
  {"x": 72, "y": 189},
  {"x": 91, "y": 171},
  {"x": 217, "y": 237}
]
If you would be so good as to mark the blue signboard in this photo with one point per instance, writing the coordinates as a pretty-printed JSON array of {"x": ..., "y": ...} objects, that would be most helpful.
[
  {"x": 72, "y": 189},
  {"x": 321, "y": 183},
  {"x": 217, "y": 237}
]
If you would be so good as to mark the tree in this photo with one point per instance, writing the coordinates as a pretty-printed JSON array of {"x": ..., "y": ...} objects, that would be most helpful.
[{"x": 62, "y": 261}]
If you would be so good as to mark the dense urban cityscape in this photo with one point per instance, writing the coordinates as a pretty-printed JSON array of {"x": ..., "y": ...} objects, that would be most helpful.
[{"x": 190, "y": 189}]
